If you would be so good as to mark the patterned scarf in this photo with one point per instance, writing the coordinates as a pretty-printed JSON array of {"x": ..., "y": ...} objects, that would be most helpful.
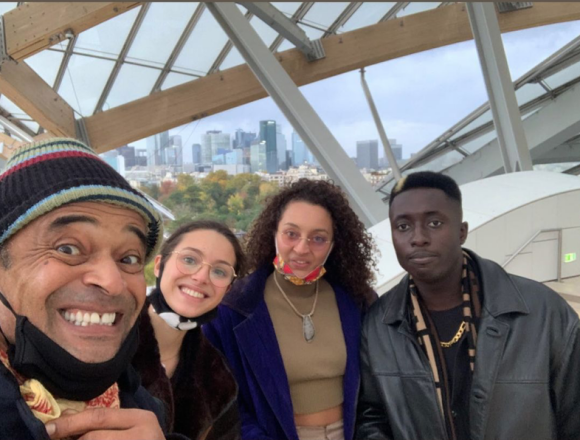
[
  {"x": 45, "y": 407},
  {"x": 429, "y": 340}
]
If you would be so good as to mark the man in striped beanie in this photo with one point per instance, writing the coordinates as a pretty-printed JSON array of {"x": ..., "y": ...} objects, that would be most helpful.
[{"x": 74, "y": 238}]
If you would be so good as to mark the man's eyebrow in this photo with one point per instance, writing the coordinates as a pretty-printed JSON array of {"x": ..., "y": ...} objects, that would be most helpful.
[
  {"x": 139, "y": 233},
  {"x": 65, "y": 220}
]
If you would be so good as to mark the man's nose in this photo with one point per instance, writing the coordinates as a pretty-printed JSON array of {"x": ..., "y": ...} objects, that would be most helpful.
[
  {"x": 420, "y": 237},
  {"x": 105, "y": 274}
]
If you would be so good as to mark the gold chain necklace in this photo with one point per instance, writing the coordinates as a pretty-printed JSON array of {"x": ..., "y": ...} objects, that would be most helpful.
[
  {"x": 457, "y": 336},
  {"x": 307, "y": 323}
]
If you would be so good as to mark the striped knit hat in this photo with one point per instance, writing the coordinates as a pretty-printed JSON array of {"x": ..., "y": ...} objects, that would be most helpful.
[{"x": 48, "y": 174}]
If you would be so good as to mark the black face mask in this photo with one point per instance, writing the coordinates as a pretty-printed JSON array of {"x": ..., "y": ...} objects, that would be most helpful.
[
  {"x": 36, "y": 356},
  {"x": 165, "y": 312}
]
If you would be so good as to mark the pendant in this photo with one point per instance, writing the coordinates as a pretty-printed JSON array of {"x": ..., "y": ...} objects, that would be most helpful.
[{"x": 308, "y": 328}]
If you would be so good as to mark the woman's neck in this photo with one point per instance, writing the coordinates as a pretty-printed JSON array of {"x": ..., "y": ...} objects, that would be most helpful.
[{"x": 168, "y": 338}]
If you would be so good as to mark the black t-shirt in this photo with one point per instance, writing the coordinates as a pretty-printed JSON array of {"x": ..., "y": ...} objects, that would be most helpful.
[{"x": 456, "y": 358}]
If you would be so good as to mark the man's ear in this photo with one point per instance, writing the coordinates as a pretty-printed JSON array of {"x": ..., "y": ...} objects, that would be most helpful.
[
  {"x": 157, "y": 266},
  {"x": 463, "y": 231}
]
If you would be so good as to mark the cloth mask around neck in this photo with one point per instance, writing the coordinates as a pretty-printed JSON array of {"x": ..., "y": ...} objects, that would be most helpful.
[
  {"x": 172, "y": 318},
  {"x": 36, "y": 356},
  {"x": 285, "y": 270}
]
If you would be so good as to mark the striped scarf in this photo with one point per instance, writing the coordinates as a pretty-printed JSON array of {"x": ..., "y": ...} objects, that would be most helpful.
[{"x": 429, "y": 340}]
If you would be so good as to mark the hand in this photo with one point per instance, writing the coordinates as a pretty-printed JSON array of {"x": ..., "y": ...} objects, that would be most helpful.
[{"x": 107, "y": 424}]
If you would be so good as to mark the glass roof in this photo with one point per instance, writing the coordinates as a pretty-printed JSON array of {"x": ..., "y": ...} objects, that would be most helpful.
[
  {"x": 129, "y": 56},
  {"x": 166, "y": 44}
]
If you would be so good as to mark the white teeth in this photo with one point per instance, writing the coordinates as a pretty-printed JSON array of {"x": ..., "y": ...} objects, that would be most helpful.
[
  {"x": 193, "y": 293},
  {"x": 85, "y": 319}
]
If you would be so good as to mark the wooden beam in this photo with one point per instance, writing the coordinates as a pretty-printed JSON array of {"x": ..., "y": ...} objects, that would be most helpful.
[
  {"x": 33, "y": 26},
  {"x": 349, "y": 51},
  {"x": 9, "y": 145},
  {"x": 27, "y": 90}
]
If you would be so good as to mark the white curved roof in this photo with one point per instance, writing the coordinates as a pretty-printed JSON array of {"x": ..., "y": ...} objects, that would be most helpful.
[{"x": 483, "y": 201}]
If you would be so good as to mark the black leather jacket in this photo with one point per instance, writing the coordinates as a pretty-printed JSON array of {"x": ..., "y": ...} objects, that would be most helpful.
[{"x": 526, "y": 383}]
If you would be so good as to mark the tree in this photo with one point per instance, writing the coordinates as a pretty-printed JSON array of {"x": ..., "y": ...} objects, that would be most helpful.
[{"x": 236, "y": 204}]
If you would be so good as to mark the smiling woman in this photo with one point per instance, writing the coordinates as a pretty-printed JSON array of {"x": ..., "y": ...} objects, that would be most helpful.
[
  {"x": 290, "y": 331},
  {"x": 195, "y": 268}
]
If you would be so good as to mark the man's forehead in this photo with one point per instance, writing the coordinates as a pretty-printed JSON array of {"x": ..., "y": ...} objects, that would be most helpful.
[
  {"x": 97, "y": 213},
  {"x": 418, "y": 201}
]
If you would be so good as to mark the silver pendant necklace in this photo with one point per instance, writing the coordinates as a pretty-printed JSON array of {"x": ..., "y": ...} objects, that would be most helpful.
[{"x": 307, "y": 323}]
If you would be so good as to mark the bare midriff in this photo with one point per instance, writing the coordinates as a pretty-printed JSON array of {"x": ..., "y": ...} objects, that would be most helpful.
[{"x": 320, "y": 418}]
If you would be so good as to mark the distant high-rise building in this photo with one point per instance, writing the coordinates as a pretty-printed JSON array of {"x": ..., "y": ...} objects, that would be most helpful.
[
  {"x": 243, "y": 139},
  {"x": 281, "y": 148},
  {"x": 116, "y": 161},
  {"x": 156, "y": 145},
  {"x": 300, "y": 152},
  {"x": 367, "y": 154},
  {"x": 174, "y": 154},
  {"x": 128, "y": 152},
  {"x": 258, "y": 156},
  {"x": 235, "y": 157},
  {"x": 268, "y": 135},
  {"x": 211, "y": 142},
  {"x": 196, "y": 153}
]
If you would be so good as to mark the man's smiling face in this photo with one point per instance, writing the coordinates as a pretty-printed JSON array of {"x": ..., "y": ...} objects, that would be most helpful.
[{"x": 77, "y": 274}]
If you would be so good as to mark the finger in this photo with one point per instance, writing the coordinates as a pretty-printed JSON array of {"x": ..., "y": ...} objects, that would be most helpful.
[{"x": 91, "y": 420}]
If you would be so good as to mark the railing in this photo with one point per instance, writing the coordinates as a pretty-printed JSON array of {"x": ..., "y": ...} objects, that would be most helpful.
[{"x": 542, "y": 231}]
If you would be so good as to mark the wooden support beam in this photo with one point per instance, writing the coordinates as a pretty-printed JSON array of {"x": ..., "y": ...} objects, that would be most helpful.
[
  {"x": 33, "y": 26},
  {"x": 27, "y": 90},
  {"x": 9, "y": 145},
  {"x": 349, "y": 51}
]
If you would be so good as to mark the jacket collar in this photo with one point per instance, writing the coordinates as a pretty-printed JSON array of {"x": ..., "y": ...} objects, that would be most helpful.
[
  {"x": 500, "y": 294},
  {"x": 247, "y": 293}
]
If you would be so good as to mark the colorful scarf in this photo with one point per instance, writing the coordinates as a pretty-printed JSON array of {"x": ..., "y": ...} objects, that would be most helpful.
[
  {"x": 46, "y": 407},
  {"x": 429, "y": 340}
]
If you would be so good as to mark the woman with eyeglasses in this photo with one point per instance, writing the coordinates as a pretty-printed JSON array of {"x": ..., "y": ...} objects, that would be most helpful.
[
  {"x": 195, "y": 268},
  {"x": 290, "y": 330}
]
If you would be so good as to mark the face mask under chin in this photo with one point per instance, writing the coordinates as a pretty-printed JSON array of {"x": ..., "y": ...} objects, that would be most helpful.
[{"x": 36, "y": 356}]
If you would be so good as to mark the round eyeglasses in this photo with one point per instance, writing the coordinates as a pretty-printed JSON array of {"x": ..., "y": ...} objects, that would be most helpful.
[
  {"x": 292, "y": 238},
  {"x": 190, "y": 263}
]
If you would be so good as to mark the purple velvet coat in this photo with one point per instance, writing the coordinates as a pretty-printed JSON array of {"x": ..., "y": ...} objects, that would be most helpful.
[{"x": 244, "y": 333}]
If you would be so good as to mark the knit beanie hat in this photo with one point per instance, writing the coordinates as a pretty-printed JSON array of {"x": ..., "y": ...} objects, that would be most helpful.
[{"x": 45, "y": 175}]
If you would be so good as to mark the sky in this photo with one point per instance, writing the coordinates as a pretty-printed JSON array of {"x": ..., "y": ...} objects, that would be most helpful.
[{"x": 418, "y": 96}]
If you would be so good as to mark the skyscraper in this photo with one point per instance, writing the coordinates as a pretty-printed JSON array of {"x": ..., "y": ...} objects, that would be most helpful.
[
  {"x": 156, "y": 145},
  {"x": 300, "y": 151},
  {"x": 196, "y": 153},
  {"x": 268, "y": 135},
  {"x": 281, "y": 148},
  {"x": 211, "y": 142},
  {"x": 243, "y": 139},
  {"x": 367, "y": 154},
  {"x": 258, "y": 156}
]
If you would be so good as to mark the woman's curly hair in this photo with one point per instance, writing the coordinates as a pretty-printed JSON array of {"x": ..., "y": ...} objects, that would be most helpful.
[{"x": 351, "y": 261}]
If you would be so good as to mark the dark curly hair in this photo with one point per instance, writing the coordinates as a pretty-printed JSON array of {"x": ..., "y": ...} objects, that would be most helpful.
[{"x": 351, "y": 261}]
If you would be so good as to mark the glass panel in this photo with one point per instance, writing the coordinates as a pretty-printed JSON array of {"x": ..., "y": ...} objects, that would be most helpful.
[
  {"x": 175, "y": 79},
  {"x": 46, "y": 64},
  {"x": 84, "y": 81},
  {"x": 563, "y": 76},
  {"x": 12, "y": 108},
  {"x": 323, "y": 14},
  {"x": 234, "y": 58},
  {"x": 133, "y": 82},
  {"x": 107, "y": 39},
  {"x": 266, "y": 33},
  {"x": 288, "y": 8},
  {"x": 369, "y": 13},
  {"x": 483, "y": 119},
  {"x": 285, "y": 45},
  {"x": 311, "y": 32},
  {"x": 475, "y": 144},
  {"x": 441, "y": 162},
  {"x": 159, "y": 32},
  {"x": 528, "y": 92},
  {"x": 415, "y": 7},
  {"x": 7, "y": 6},
  {"x": 203, "y": 46}
]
